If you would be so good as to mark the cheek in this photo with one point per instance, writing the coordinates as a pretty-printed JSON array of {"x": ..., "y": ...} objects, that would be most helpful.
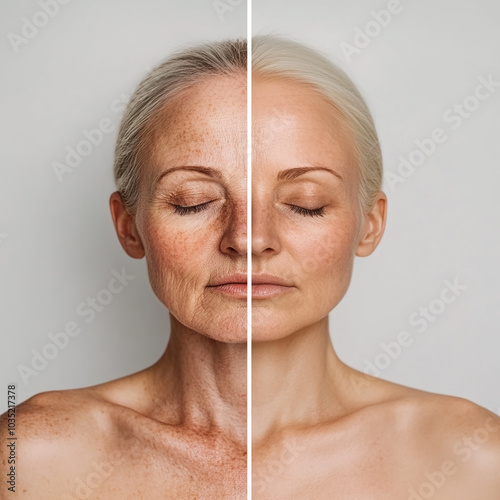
[
  {"x": 338, "y": 249},
  {"x": 176, "y": 258},
  {"x": 326, "y": 258}
]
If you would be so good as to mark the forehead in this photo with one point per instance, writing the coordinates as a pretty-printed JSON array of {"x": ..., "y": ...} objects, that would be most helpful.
[
  {"x": 205, "y": 124},
  {"x": 293, "y": 124}
]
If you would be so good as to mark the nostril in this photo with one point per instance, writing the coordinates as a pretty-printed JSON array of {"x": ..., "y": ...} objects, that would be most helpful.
[{"x": 234, "y": 244}]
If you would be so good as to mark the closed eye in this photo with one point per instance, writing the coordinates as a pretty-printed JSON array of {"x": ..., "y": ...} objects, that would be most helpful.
[
  {"x": 316, "y": 212},
  {"x": 181, "y": 210}
]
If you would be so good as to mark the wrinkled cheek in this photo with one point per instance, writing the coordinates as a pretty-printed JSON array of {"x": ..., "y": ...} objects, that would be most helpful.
[
  {"x": 164, "y": 282},
  {"x": 172, "y": 275}
]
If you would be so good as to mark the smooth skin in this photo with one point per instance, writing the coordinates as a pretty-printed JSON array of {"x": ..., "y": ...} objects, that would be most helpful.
[
  {"x": 176, "y": 430},
  {"x": 322, "y": 430}
]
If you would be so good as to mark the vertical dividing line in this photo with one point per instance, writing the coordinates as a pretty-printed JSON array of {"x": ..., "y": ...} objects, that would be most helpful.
[{"x": 249, "y": 249}]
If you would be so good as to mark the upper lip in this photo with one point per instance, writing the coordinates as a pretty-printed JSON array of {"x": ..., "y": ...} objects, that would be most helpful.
[
  {"x": 230, "y": 278},
  {"x": 257, "y": 279},
  {"x": 268, "y": 279}
]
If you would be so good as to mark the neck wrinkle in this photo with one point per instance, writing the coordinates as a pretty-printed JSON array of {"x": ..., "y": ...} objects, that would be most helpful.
[{"x": 201, "y": 384}]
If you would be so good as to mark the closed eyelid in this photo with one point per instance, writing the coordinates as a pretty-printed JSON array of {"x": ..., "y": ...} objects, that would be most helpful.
[
  {"x": 314, "y": 212},
  {"x": 181, "y": 210}
]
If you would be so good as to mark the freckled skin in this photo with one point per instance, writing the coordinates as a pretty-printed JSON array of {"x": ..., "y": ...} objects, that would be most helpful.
[
  {"x": 186, "y": 253},
  {"x": 176, "y": 430},
  {"x": 322, "y": 430}
]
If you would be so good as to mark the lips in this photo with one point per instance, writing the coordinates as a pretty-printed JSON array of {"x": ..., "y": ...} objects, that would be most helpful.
[
  {"x": 232, "y": 285},
  {"x": 263, "y": 285},
  {"x": 237, "y": 278},
  {"x": 269, "y": 279},
  {"x": 267, "y": 286}
]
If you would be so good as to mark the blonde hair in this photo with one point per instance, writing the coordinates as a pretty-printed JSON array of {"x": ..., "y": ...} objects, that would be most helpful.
[
  {"x": 272, "y": 57},
  {"x": 277, "y": 57}
]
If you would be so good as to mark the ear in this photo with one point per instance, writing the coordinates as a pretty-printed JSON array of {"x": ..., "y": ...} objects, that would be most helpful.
[
  {"x": 374, "y": 227},
  {"x": 125, "y": 227}
]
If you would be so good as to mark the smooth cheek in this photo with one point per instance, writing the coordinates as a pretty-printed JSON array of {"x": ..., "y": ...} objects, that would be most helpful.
[{"x": 324, "y": 262}]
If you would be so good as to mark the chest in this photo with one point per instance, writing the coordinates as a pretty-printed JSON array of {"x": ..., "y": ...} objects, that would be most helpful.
[
  {"x": 141, "y": 472},
  {"x": 302, "y": 470},
  {"x": 361, "y": 469}
]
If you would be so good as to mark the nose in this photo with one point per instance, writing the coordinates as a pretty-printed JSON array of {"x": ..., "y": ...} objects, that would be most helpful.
[
  {"x": 265, "y": 239},
  {"x": 234, "y": 240}
]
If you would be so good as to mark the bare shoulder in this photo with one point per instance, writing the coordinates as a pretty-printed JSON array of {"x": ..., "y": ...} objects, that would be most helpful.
[
  {"x": 469, "y": 444},
  {"x": 443, "y": 446},
  {"x": 427, "y": 413},
  {"x": 454, "y": 445},
  {"x": 56, "y": 432},
  {"x": 450, "y": 421},
  {"x": 55, "y": 412}
]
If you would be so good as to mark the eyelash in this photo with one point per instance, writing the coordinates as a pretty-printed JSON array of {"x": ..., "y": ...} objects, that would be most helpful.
[
  {"x": 179, "y": 209},
  {"x": 317, "y": 212}
]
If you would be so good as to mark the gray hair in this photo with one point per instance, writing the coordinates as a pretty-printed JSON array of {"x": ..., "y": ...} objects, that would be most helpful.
[
  {"x": 276, "y": 57},
  {"x": 166, "y": 81},
  {"x": 272, "y": 57}
]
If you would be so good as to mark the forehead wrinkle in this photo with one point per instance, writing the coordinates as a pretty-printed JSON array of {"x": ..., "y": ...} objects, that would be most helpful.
[
  {"x": 208, "y": 171},
  {"x": 187, "y": 123},
  {"x": 194, "y": 123}
]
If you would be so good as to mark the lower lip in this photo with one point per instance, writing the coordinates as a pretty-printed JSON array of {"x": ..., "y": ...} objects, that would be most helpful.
[
  {"x": 262, "y": 291},
  {"x": 238, "y": 290}
]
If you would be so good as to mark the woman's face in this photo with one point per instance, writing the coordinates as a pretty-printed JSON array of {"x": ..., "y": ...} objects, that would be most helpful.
[
  {"x": 307, "y": 223},
  {"x": 192, "y": 211}
]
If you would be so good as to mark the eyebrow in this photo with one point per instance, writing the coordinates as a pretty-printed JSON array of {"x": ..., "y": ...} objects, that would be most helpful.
[
  {"x": 293, "y": 173},
  {"x": 211, "y": 172}
]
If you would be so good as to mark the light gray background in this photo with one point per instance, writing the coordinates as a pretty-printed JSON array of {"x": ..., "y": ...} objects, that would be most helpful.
[
  {"x": 443, "y": 220},
  {"x": 57, "y": 242}
]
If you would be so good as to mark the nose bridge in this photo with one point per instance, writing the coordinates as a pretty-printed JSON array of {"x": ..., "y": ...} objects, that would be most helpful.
[
  {"x": 264, "y": 230},
  {"x": 234, "y": 239},
  {"x": 238, "y": 218}
]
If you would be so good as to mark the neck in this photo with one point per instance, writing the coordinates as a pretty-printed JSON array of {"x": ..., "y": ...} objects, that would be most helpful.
[
  {"x": 296, "y": 381},
  {"x": 203, "y": 383}
]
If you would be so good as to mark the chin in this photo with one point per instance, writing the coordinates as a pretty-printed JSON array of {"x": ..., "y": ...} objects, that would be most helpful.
[
  {"x": 268, "y": 327},
  {"x": 270, "y": 324},
  {"x": 225, "y": 338},
  {"x": 230, "y": 329},
  {"x": 230, "y": 339}
]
